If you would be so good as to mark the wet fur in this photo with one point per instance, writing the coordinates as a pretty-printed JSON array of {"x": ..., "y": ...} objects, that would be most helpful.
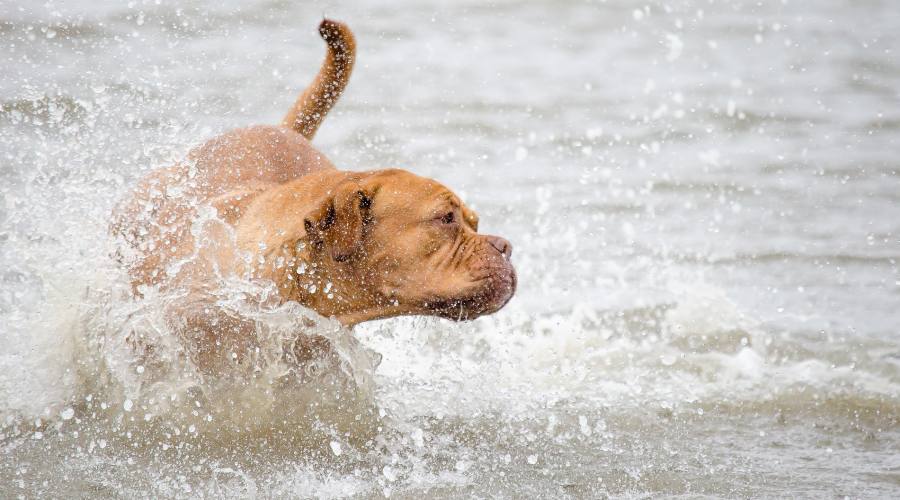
[{"x": 378, "y": 241}]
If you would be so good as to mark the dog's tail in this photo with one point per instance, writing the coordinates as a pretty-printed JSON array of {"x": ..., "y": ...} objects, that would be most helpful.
[{"x": 315, "y": 102}]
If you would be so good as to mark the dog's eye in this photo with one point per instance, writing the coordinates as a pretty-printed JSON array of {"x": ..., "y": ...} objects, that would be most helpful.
[{"x": 448, "y": 218}]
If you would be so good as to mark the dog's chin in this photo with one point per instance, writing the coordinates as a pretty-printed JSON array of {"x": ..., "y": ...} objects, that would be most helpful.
[{"x": 487, "y": 296}]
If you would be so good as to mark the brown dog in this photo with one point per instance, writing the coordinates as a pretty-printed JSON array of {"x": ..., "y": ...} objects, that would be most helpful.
[{"x": 261, "y": 203}]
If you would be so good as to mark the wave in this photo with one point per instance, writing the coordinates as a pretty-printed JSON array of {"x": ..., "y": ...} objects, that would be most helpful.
[
  {"x": 110, "y": 368},
  {"x": 582, "y": 376},
  {"x": 700, "y": 348},
  {"x": 57, "y": 110},
  {"x": 70, "y": 29},
  {"x": 776, "y": 256}
]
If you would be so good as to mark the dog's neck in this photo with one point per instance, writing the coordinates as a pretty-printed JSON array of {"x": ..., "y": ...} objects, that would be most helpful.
[
  {"x": 330, "y": 288},
  {"x": 271, "y": 234}
]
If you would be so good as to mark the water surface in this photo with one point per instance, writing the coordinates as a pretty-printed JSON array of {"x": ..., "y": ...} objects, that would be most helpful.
[{"x": 704, "y": 200}]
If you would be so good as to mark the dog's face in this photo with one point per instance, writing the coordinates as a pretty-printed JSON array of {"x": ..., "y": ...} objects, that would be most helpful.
[{"x": 402, "y": 244}]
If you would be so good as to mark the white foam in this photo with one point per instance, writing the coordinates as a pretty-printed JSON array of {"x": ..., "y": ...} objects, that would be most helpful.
[{"x": 113, "y": 354}]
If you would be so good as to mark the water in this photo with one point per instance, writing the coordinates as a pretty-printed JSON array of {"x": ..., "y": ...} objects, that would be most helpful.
[{"x": 704, "y": 200}]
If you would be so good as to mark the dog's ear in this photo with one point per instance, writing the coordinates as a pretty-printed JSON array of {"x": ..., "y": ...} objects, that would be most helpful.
[{"x": 335, "y": 225}]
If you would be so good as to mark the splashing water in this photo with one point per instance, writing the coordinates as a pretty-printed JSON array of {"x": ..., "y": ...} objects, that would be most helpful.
[{"x": 700, "y": 197}]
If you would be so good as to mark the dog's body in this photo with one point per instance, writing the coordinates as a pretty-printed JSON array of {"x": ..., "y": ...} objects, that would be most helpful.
[{"x": 261, "y": 203}]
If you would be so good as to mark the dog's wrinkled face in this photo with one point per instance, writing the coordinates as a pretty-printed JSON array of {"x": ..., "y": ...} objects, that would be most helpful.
[{"x": 404, "y": 244}]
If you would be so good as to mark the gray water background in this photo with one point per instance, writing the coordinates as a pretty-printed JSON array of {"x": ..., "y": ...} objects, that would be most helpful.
[{"x": 704, "y": 199}]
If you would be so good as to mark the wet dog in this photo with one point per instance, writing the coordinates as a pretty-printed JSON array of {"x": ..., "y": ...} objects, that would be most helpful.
[{"x": 263, "y": 204}]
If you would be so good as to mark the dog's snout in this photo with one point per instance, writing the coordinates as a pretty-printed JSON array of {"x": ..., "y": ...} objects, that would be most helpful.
[{"x": 501, "y": 244}]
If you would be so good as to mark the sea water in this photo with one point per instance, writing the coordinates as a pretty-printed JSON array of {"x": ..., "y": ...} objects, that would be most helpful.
[{"x": 703, "y": 198}]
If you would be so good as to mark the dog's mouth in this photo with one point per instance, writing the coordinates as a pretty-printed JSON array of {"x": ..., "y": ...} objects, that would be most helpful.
[{"x": 491, "y": 290}]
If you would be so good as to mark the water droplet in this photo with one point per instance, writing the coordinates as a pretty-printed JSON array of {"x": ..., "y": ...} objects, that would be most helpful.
[
  {"x": 418, "y": 437},
  {"x": 583, "y": 425},
  {"x": 521, "y": 153}
]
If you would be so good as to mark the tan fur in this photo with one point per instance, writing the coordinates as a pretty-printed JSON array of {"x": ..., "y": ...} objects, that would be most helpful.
[
  {"x": 315, "y": 102},
  {"x": 261, "y": 203}
]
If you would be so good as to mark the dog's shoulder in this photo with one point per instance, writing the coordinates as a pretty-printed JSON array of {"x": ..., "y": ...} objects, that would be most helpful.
[{"x": 264, "y": 154}]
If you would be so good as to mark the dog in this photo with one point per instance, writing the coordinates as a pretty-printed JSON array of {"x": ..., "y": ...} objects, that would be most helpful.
[{"x": 261, "y": 203}]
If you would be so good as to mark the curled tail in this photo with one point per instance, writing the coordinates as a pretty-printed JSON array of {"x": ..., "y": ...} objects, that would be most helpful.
[{"x": 315, "y": 102}]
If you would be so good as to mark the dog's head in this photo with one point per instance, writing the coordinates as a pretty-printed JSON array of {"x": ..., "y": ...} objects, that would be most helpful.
[{"x": 389, "y": 243}]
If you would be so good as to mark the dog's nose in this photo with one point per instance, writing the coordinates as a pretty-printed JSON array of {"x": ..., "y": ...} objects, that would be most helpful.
[{"x": 501, "y": 244}]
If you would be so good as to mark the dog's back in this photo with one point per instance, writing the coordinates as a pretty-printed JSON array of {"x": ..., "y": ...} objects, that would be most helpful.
[{"x": 228, "y": 171}]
